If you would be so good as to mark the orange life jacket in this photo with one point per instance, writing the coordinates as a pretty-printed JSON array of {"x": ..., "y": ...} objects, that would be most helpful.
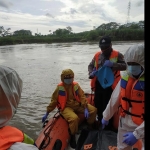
[
  {"x": 132, "y": 97},
  {"x": 8, "y": 136},
  {"x": 62, "y": 94},
  {"x": 114, "y": 58}
]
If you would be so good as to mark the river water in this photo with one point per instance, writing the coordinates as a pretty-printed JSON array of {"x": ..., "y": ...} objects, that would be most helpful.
[{"x": 40, "y": 66}]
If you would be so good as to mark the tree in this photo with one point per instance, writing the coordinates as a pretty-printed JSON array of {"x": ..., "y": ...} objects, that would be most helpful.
[
  {"x": 22, "y": 32},
  {"x": 4, "y": 32},
  {"x": 60, "y": 32},
  {"x": 69, "y": 29}
]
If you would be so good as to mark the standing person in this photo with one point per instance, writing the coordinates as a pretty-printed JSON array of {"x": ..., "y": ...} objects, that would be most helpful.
[
  {"x": 129, "y": 97},
  {"x": 110, "y": 58},
  {"x": 70, "y": 100},
  {"x": 11, "y": 138}
]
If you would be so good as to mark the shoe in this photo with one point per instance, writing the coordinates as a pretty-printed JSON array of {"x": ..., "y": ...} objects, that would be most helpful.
[{"x": 73, "y": 142}]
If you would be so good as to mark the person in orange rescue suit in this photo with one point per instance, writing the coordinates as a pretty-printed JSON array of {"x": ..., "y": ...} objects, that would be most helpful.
[
  {"x": 128, "y": 96},
  {"x": 11, "y": 138},
  {"x": 110, "y": 58},
  {"x": 70, "y": 99}
]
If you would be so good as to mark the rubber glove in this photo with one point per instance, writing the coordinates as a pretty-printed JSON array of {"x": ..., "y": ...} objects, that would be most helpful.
[
  {"x": 45, "y": 117},
  {"x": 104, "y": 123},
  {"x": 92, "y": 74},
  {"x": 130, "y": 139},
  {"x": 108, "y": 63},
  {"x": 86, "y": 113}
]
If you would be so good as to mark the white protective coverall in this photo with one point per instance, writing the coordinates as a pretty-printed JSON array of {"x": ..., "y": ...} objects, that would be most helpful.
[
  {"x": 10, "y": 94},
  {"x": 134, "y": 54}
]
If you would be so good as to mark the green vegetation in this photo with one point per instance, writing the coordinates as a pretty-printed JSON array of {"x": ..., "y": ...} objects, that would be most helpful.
[{"x": 117, "y": 32}]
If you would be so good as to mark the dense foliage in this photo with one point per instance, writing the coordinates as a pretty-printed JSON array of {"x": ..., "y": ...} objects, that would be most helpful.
[{"x": 126, "y": 32}]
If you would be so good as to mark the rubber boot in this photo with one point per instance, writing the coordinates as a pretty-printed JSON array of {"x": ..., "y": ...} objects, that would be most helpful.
[{"x": 73, "y": 142}]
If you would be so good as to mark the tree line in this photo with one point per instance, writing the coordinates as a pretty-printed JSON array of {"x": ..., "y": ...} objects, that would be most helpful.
[{"x": 126, "y": 32}]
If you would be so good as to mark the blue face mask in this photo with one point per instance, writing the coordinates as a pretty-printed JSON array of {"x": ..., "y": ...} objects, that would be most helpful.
[
  {"x": 134, "y": 70},
  {"x": 68, "y": 81}
]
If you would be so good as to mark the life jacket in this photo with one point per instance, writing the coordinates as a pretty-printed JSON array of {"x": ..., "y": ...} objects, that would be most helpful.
[
  {"x": 10, "y": 135},
  {"x": 132, "y": 97},
  {"x": 113, "y": 58},
  {"x": 62, "y": 94}
]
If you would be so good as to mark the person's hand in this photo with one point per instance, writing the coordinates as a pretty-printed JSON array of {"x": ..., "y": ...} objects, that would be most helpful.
[
  {"x": 108, "y": 63},
  {"x": 130, "y": 139},
  {"x": 92, "y": 74},
  {"x": 104, "y": 123},
  {"x": 44, "y": 117},
  {"x": 86, "y": 113}
]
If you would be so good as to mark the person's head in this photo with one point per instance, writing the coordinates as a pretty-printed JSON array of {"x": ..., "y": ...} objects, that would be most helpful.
[
  {"x": 105, "y": 45},
  {"x": 10, "y": 94},
  {"x": 67, "y": 76},
  {"x": 134, "y": 58}
]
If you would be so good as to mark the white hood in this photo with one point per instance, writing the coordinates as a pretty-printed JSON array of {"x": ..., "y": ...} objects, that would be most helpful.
[
  {"x": 135, "y": 54},
  {"x": 10, "y": 94}
]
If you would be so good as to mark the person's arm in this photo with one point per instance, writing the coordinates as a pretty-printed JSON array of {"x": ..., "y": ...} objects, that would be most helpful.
[
  {"x": 113, "y": 103},
  {"x": 91, "y": 66},
  {"x": 53, "y": 102},
  {"x": 82, "y": 97},
  {"x": 120, "y": 64},
  {"x": 139, "y": 131},
  {"x": 22, "y": 146}
]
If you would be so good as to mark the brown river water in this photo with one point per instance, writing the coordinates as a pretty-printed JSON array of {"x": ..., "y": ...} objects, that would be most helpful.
[{"x": 40, "y": 66}]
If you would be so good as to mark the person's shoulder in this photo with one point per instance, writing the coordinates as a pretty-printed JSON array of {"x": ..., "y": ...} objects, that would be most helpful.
[{"x": 97, "y": 53}]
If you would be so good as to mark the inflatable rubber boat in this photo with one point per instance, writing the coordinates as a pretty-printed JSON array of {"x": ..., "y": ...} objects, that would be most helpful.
[{"x": 55, "y": 132}]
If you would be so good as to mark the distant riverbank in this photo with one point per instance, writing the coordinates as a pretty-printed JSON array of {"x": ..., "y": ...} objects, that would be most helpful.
[{"x": 93, "y": 35}]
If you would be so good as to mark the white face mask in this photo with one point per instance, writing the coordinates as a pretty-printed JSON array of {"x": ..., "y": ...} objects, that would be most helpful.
[
  {"x": 134, "y": 70},
  {"x": 68, "y": 81}
]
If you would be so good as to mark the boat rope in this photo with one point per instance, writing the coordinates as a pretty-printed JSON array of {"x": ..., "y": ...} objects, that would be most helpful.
[{"x": 47, "y": 132}]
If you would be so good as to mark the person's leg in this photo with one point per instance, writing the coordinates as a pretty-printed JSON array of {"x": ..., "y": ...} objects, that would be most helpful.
[
  {"x": 122, "y": 129},
  {"x": 98, "y": 99},
  {"x": 92, "y": 114},
  {"x": 73, "y": 120},
  {"x": 106, "y": 97}
]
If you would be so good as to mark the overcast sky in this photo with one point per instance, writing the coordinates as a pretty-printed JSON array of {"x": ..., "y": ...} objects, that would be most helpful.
[{"x": 41, "y": 16}]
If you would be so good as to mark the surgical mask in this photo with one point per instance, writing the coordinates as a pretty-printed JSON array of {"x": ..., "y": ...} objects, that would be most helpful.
[
  {"x": 134, "y": 70},
  {"x": 68, "y": 81}
]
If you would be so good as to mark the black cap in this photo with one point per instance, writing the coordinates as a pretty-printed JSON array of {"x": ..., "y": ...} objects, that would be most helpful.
[{"x": 105, "y": 41}]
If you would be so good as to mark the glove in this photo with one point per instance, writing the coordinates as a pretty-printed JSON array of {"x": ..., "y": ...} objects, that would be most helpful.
[
  {"x": 92, "y": 74},
  {"x": 130, "y": 139},
  {"x": 45, "y": 117},
  {"x": 86, "y": 113},
  {"x": 108, "y": 63},
  {"x": 104, "y": 123}
]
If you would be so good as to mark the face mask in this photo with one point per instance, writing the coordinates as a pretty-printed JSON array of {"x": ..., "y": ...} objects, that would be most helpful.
[
  {"x": 134, "y": 70},
  {"x": 106, "y": 51},
  {"x": 68, "y": 81}
]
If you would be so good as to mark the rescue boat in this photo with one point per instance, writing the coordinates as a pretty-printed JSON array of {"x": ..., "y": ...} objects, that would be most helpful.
[{"x": 55, "y": 131}]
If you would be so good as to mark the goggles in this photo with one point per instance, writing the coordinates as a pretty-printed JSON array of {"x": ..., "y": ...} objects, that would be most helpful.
[{"x": 69, "y": 76}]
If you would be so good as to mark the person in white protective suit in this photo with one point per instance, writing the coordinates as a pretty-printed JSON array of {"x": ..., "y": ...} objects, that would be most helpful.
[
  {"x": 11, "y": 138},
  {"x": 128, "y": 96}
]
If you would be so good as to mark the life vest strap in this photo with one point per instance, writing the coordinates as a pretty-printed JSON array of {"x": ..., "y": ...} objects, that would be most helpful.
[
  {"x": 131, "y": 100},
  {"x": 129, "y": 113}
]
